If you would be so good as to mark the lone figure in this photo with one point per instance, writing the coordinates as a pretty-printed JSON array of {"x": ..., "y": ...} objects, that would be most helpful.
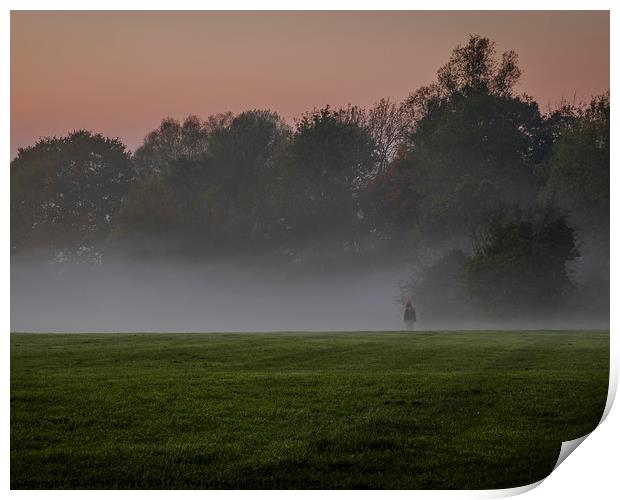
[{"x": 410, "y": 318}]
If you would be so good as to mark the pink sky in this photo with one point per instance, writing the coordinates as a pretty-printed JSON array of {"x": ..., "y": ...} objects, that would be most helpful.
[{"x": 120, "y": 73}]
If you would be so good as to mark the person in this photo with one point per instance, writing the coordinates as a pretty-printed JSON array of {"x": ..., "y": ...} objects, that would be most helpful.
[{"x": 410, "y": 317}]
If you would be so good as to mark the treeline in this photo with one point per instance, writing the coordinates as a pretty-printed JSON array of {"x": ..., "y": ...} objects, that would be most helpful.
[{"x": 462, "y": 161}]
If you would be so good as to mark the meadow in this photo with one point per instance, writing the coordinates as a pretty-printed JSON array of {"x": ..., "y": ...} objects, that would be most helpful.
[{"x": 446, "y": 410}]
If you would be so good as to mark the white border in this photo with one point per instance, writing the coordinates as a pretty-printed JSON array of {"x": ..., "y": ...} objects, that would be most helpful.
[{"x": 590, "y": 471}]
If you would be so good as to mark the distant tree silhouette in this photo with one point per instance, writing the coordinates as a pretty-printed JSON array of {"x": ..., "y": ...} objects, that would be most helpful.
[
  {"x": 386, "y": 123},
  {"x": 390, "y": 200},
  {"x": 215, "y": 191},
  {"x": 66, "y": 192},
  {"x": 245, "y": 163},
  {"x": 519, "y": 264},
  {"x": 579, "y": 167},
  {"x": 170, "y": 142},
  {"x": 475, "y": 144},
  {"x": 331, "y": 154}
]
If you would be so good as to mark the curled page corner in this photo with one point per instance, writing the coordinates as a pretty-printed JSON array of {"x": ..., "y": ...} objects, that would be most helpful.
[
  {"x": 511, "y": 492},
  {"x": 567, "y": 448}
]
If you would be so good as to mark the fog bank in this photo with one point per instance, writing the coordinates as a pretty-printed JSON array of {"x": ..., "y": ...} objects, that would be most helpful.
[
  {"x": 232, "y": 295},
  {"x": 225, "y": 296}
]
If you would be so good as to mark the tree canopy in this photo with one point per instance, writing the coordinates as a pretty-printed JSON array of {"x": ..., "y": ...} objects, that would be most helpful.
[
  {"x": 448, "y": 164},
  {"x": 66, "y": 192},
  {"x": 579, "y": 167},
  {"x": 520, "y": 258}
]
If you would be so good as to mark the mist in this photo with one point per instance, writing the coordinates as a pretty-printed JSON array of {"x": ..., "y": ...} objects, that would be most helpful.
[
  {"x": 226, "y": 295},
  {"x": 236, "y": 295}
]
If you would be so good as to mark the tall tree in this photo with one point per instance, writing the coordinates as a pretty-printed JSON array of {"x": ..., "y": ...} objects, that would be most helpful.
[
  {"x": 245, "y": 163},
  {"x": 386, "y": 123},
  {"x": 390, "y": 200},
  {"x": 247, "y": 150},
  {"x": 579, "y": 167},
  {"x": 519, "y": 265},
  {"x": 217, "y": 195},
  {"x": 173, "y": 141},
  {"x": 66, "y": 192},
  {"x": 476, "y": 144},
  {"x": 331, "y": 154}
]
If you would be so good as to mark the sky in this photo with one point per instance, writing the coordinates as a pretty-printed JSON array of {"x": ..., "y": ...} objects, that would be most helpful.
[{"x": 121, "y": 72}]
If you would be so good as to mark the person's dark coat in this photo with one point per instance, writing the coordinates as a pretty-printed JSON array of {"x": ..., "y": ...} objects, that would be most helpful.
[{"x": 409, "y": 313}]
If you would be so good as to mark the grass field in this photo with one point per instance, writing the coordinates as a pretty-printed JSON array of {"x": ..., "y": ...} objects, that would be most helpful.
[{"x": 338, "y": 410}]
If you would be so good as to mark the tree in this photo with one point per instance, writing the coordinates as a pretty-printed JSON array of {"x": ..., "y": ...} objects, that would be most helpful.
[
  {"x": 554, "y": 123},
  {"x": 331, "y": 155},
  {"x": 519, "y": 264},
  {"x": 476, "y": 152},
  {"x": 246, "y": 150},
  {"x": 474, "y": 69},
  {"x": 218, "y": 121},
  {"x": 390, "y": 201},
  {"x": 173, "y": 141},
  {"x": 66, "y": 192},
  {"x": 217, "y": 197},
  {"x": 579, "y": 167},
  {"x": 386, "y": 124},
  {"x": 476, "y": 144},
  {"x": 162, "y": 210},
  {"x": 245, "y": 162}
]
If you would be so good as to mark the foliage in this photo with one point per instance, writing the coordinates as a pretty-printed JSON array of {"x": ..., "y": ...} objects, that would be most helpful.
[
  {"x": 214, "y": 189},
  {"x": 472, "y": 69},
  {"x": 579, "y": 167},
  {"x": 245, "y": 161},
  {"x": 390, "y": 200},
  {"x": 66, "y": 192},
  {"x": 475, "y": 153},
  {"x": 519, "y": 261},
  {"x": 386, "y": 123},
  {"x": 173, "y": 141},
  {"x": 475, "y": 143},
  {"x": 331, "y": 154}
]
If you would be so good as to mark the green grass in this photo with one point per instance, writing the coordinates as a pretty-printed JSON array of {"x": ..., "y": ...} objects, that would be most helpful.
[{"x": 337, "y": 410}]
